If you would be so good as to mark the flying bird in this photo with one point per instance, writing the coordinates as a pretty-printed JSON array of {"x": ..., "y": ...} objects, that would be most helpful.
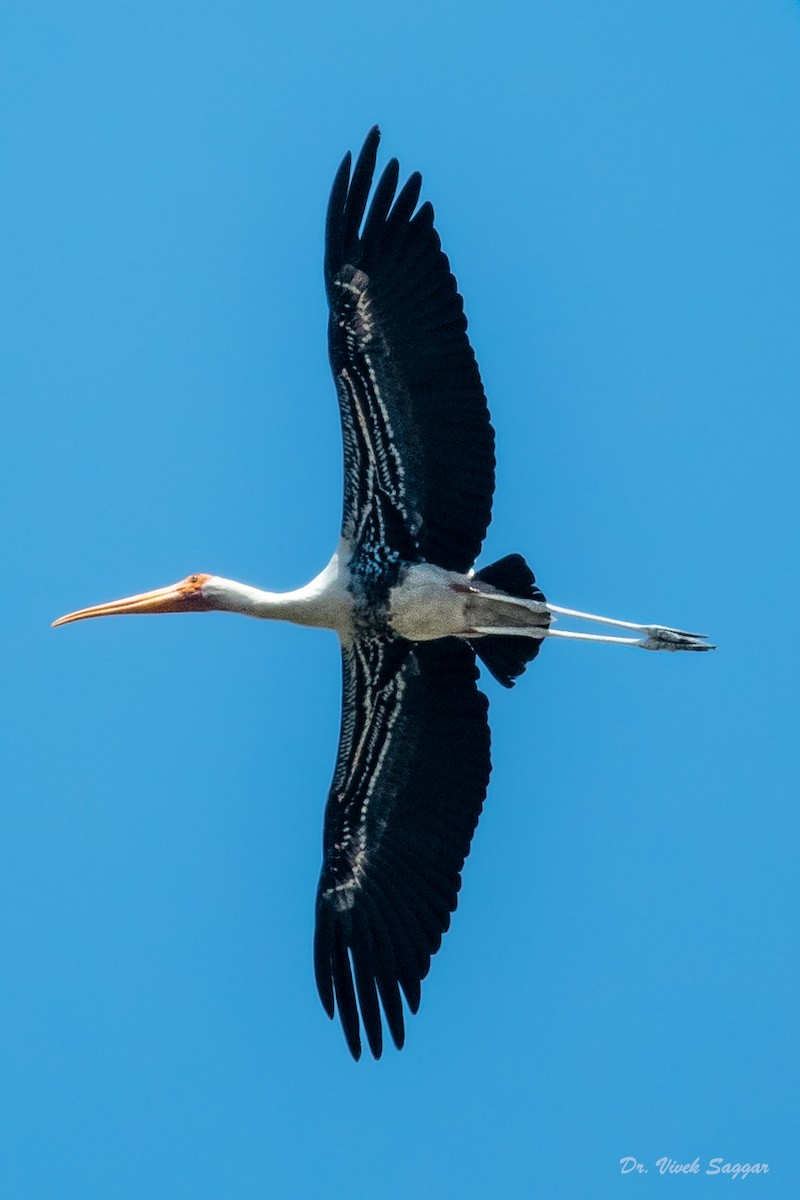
[{"x": 401, "y": 591}]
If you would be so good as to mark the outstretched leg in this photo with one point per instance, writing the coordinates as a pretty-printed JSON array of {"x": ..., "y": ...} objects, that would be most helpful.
[
  {"x": 512, "y": 606},
  {"x": 655, "y": 637},
  {"x": 658, "y": 637}
]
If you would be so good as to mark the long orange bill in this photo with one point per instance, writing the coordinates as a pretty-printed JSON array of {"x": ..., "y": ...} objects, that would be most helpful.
[{"x": 178, "y": 597}]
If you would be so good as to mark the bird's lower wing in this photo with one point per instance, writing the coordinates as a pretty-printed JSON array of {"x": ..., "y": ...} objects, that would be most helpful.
[{"x": 410, "y": 779}]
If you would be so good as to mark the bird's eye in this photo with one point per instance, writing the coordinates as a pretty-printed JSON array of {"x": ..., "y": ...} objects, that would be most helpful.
[{"x": 194, "y": 579}]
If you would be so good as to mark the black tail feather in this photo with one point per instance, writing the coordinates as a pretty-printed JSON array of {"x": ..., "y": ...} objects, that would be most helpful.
[
  {"x": 503, "y": 655},
  {"x": 513, "y": 575}
]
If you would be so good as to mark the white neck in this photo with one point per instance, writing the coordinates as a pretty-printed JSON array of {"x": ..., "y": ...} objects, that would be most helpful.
[{"x": 324, "y": 602}]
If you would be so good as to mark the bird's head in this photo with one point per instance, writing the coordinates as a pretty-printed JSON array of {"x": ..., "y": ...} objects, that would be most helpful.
[{"x": 196, "y": 593}]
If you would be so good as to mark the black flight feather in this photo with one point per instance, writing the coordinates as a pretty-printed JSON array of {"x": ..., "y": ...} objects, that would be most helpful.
[
  {"x": 414, "y": 417},
  {"x": 385, "y": 894}
]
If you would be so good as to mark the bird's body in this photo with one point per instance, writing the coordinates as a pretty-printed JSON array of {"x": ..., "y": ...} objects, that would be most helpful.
[{"x": 401, "y": 592}]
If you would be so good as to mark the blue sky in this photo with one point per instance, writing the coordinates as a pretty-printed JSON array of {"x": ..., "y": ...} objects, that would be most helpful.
[{"x": 617, "y": 186}]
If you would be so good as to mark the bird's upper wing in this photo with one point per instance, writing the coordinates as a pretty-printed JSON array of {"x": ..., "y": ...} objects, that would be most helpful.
[
  {"x": 414, "y": 417},
  {"x": 410, "y": 779}
]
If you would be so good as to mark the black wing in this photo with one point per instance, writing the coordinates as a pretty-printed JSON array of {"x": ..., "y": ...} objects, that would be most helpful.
[
  {"x": 414, "y": 418},
  {"x": 410, "y": 779}
]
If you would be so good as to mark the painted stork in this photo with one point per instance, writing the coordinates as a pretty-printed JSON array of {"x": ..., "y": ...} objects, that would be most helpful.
[{"x": 400, "y": 591}]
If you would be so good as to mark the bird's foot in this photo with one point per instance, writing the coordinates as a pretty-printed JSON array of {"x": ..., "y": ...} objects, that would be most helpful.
[{"x": 659, "y": 637}]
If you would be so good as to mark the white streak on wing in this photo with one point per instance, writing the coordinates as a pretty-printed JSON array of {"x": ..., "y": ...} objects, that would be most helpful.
[
  {"x": 367, "y": 759},
  {"x": 384, "y": 463}
]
